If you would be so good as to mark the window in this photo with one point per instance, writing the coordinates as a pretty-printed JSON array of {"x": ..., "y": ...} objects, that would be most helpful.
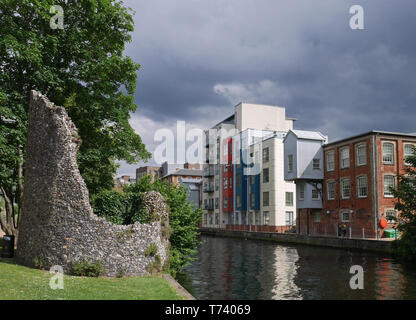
[
  {"x": 391, "y": 216},
  {"x": 225, "y": 183},
  {"x": 289, "y": 199},
  {"x": 345, "y": 158},
  {"x": 331, "y": 190},
  {"x": 225, "y": 202},
  {"x": 388, "y": 182},
  {"x": 252, "y": 179},
  {"x": 345, "y": 188},
  {"x": 362, "y": 188},
  {"x": 217, "y": 184},
  {"x": 230, "y": 202},
  {"x": 330, "y": 161},
  {"x": 388, "y": 153},
  {"x": 252, "y": 199},
  {"x": 205, "y": 218},
  {"x": 265, "y": 175},
  {"x": 216, "y": 203},
  {"x": 217, "y": 218},
  {"x": 315, "y": 194},
  {"x": 316, "y": 164},
  {"x": 409, "y": 150},
  {"x": 361, "y": 151},
  {"x": 316, "y": 216},
  {"x": 266, "y": 155},
  {"x": 345, "y": 216},
  {"x": 289, "y": 218},
  {"x": 302, "y": 191},
  {"x": 238, "y": 180},
  {"x": 231, "y": 182},
  {"x": 257, "y": 218},
  {"x": 238, "y": 201},
  {"x": 266, "y": 216},
  {"x": 265, "y": 199},
  {"x": 290, "y": 163}
]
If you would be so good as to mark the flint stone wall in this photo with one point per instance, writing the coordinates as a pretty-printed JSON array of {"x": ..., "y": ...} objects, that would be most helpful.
[{"x": 57, "y": 223}]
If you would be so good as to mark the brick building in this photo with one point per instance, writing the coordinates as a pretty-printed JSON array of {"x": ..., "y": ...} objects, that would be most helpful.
[{"x": 358, "y": 174}]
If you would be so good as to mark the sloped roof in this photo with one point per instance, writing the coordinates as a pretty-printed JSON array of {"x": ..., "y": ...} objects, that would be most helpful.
[
  {"x": 309, "y": 135},
  {"x": 185, "y": 172}
]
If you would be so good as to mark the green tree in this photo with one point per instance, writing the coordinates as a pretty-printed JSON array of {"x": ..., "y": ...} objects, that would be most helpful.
[
  {"x": 184, "y": 217},
  {"x": 406, "y": 205},
  {"x": 80, "y": 67}
]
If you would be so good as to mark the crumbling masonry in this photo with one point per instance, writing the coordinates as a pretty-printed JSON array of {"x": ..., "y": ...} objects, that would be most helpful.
[{"x": 58, "y": 225}]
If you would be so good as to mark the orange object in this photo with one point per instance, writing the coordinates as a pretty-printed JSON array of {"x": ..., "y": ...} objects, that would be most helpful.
[{"x": 383, "y": 223}]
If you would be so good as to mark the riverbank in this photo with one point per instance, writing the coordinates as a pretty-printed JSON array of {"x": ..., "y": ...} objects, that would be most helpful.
[
  {"x": 340, "y": 243},
  {"x": 23, "y": 283}
]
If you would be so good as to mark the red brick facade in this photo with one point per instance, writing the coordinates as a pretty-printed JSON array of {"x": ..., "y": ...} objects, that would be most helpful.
[{"x": 360, "y": 214}]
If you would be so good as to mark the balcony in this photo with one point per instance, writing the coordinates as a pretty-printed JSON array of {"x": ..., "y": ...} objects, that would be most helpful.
[
  {"x": 209, "y": 206},
  {"x": 209, "y": 172},
  {"x": 209, "y": 188}
]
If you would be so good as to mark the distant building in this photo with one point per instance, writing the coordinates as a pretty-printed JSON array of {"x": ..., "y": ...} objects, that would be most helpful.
[
  {"x": 123, "y": 180},
  {"x": 190, "y": 177},
  {"x": 148, "y": 170},
  {"x": 350, "y": 179}
]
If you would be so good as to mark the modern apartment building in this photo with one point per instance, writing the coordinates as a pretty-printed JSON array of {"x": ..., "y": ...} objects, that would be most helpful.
[
  {"x": 304, "y": 161},
  {"x": 244, "y": 186},
  {"x": 357, "y": 174}
]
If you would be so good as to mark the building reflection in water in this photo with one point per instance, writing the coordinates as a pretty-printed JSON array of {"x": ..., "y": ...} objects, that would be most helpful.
[{"x": 246, "y": 269}]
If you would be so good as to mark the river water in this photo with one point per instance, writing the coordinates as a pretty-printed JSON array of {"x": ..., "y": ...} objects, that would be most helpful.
[{"x": 228, "y": 268}]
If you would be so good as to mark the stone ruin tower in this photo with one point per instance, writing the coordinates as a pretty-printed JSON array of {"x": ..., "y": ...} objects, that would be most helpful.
[{"x": 58, "y": 225}]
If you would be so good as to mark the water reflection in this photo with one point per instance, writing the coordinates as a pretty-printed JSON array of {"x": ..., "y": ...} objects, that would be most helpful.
[{"x": 246, "y": 269}]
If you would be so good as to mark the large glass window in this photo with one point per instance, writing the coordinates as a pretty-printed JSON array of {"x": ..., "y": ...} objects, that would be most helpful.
[
  {"x": 345, "y": 188},
  {"x": 315, "y": 194},
  {"x": 266, "y": 216},
  {"x": 362, "y": 187},
  {"x": 289, "y": 218},
  {"x": 409, "y": 150},
  {"x": 302, "y": 191},
  {"x": 361, "y": 154},
  {"x": 388, "y": 153},
  {"x": 265, "y": 175},
  {"x": 331, "y": 190},
  {"x": 330, "y": 161},
  {"x": 289, "y": 199},
  {"x": 345, "y": 158},
  {"x": 290, "y": 163},
  {"x": 266, "y": 154},
  {"x": 265, "y": 199},
  {"x": 388, "y": 182}
]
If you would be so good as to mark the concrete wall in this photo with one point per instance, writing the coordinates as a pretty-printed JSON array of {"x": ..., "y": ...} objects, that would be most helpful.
[{"x": 352, "y": 244}]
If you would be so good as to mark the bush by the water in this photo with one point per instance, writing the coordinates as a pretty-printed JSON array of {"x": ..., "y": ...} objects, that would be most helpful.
[{"x": 125, "y": 207}]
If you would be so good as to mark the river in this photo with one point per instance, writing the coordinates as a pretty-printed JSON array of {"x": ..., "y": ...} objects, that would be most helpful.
[{"x": 227, "y": 268}]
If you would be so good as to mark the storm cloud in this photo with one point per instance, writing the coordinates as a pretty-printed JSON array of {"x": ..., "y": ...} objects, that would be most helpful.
[{"x": 200, "y": 58}]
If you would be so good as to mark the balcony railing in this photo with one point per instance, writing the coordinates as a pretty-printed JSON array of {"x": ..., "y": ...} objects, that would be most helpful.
[
  {"x": 209, "y": 206},
  {"x": 209, "y": 188}
]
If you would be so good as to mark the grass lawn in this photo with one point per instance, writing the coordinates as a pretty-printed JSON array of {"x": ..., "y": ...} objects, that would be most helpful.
[{"x": 22, "y": 283}]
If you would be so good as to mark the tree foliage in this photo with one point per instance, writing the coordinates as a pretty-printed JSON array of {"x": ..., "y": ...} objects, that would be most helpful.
[
  {"x": 80, "y": 67},
  {"x": 406, "y": 205},
  {"x": 184, "y": 218}
]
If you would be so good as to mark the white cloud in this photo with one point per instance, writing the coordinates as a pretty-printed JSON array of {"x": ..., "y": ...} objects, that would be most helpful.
[{"x": 265, "y": 91}]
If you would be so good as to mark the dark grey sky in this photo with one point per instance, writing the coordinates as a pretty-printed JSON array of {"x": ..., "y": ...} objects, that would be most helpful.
[{"x": 201, "y": 57}]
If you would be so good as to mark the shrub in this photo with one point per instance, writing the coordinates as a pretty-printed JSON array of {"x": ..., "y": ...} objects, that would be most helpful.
[
  {"x": 39, "y": 262},
  {"x": 86, "y": 269},
  {"x": 155, "y": 266},
  {"x": 151, "y": 250},
  {"x": 121, "y": 273}
]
